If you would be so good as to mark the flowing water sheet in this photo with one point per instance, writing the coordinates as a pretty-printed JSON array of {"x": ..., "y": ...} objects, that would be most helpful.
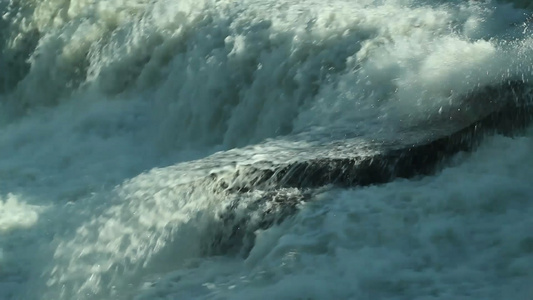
[{"x": 274, "y": 149}]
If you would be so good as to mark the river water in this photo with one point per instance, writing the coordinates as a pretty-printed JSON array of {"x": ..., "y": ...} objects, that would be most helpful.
[{"x": 122, "y": 122}]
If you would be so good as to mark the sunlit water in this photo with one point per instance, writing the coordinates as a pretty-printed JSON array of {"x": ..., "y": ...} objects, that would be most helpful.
[{"x": 111, "y": 113}]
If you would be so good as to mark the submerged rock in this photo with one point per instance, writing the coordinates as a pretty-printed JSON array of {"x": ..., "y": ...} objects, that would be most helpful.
[
  {"x": 304, "y": 162},
  {"x": 265, "y": 191}
]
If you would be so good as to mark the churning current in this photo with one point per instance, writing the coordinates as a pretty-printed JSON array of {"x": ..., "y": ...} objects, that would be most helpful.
[{"x": 265, "y": 149}]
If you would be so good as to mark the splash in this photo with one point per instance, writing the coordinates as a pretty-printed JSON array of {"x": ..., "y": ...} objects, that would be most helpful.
[
  {"x": 131, "y": 120},
  {"x": 15, "y": 214}
]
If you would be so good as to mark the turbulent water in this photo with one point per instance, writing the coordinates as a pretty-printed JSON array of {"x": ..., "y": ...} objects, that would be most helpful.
[{"x": 134, "y": 134}]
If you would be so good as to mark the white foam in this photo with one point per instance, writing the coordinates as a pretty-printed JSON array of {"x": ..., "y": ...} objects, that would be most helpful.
[
  {"x": 117, "y": 88},
  {"x": 15, "y": 214},
  {"x": 463, "y": 234},
  {"x": 269, "y": 68}
]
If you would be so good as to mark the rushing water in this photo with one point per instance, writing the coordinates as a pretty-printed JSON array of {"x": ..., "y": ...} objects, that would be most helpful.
[{"x": 131, "y": 133}]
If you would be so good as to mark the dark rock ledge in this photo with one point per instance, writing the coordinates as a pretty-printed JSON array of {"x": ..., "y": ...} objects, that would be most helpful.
[{"x": 265, "y": 192}]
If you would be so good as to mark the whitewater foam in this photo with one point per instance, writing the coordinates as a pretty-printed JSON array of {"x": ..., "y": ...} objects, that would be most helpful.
[
  {"x": 463, "y": 234},
  {"x": 110, "y": 108},
  {"x": 15, "y": 214}
]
